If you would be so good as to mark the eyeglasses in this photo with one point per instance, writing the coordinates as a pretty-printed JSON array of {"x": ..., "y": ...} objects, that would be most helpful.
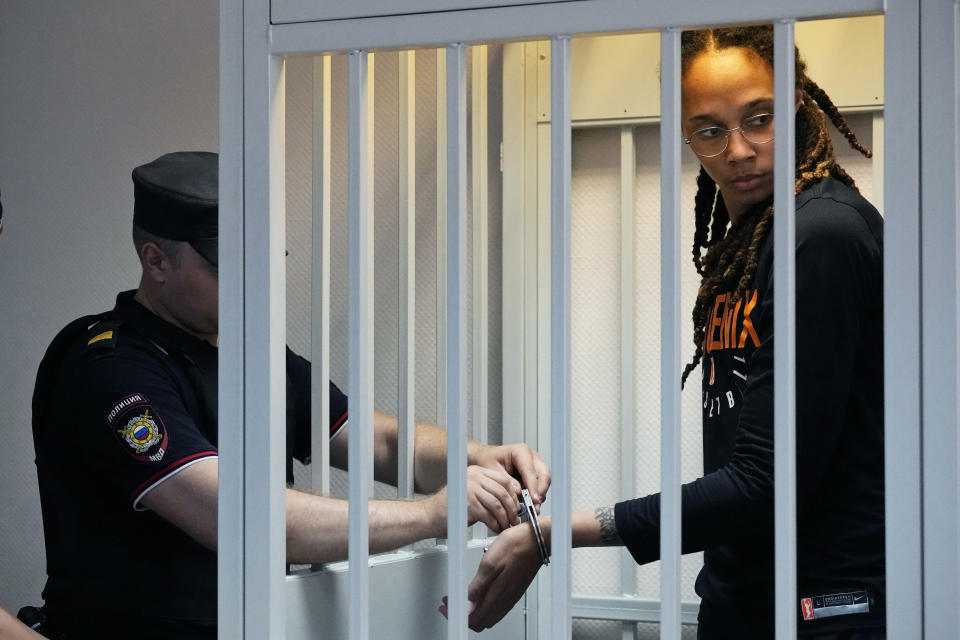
[{"x": 712, "y": 141}]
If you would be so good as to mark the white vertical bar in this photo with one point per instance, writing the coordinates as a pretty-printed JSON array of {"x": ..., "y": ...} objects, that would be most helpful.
[
  {"x": 407, "y": 71},
  {"x": 479, "y": 167},
  {"x": 538, "y": 326},
  {"x": 538, "y": 290},
  {"x": 361, "y": 346},
  {"x": 901, "y": 323},
  {"x": 320, "y": 280},
  {"x": 456, "y": 323},
  {"x": 263, "y": 338},
  {"x": 560, "y": 167},
  {"x": 230, "y": 441},
  {"x": 441, "y": 231},
  {"x": 264, "y": 335},
  {"x": 940, "y": 251},
  {"x": 628, "y": 402},
  {"x": 784, "y": 327},
  {"x": 670, "y": 372},
  {"x": 371, "y": 129},
  {"x": 512, "y": 225}
]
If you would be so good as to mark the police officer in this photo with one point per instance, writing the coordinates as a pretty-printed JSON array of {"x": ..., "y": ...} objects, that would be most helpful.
[{"x": 125, "y": 430}]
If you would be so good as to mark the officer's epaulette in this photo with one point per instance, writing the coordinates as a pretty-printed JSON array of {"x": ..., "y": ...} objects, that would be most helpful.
[{"x": 103, "y": 335}]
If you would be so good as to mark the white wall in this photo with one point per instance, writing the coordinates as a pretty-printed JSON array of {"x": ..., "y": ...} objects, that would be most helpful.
[{"x": 88, "y": 90}]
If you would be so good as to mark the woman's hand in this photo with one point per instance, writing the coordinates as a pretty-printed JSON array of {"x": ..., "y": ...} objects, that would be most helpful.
[{"x": 506, "y": 570}]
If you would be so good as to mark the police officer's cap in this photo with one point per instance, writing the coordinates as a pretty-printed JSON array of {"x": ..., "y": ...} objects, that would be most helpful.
[{"x": 175, "y": 197}]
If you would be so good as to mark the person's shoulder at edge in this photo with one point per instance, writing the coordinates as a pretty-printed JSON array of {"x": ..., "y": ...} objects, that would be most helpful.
[{"x": 831, "y": 210}]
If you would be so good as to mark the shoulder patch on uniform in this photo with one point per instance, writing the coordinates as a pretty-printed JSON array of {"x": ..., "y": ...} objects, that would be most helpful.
[
  {"x": 138, "y": 428},
  {"x": 104, "y": 335}
]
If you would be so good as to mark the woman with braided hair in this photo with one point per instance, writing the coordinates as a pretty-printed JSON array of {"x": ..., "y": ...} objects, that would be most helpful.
[{"x": 727, "y": 119}]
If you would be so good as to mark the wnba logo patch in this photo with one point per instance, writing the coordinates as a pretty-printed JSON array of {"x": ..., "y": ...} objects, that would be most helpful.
[
  {"x": 807, "y": 605},
  {"x": 137, "y": 426}
]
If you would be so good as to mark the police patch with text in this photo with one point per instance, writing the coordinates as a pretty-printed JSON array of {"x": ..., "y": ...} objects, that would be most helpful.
[{"x": 138, "y": 428}]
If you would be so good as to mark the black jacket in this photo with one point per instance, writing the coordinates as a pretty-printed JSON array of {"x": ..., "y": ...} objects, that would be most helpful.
[{"x": 728, "y": 513}]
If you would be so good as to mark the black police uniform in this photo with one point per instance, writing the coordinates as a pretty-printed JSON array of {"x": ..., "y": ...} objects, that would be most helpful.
[{"x": 125, "y": 400}]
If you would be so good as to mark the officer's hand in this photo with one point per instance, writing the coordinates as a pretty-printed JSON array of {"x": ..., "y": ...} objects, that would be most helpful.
[
  {"x": 491, "y": 499},
  {"x": 518, "y": 460}
]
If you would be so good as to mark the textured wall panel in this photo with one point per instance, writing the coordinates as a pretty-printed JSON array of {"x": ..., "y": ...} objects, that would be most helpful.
[{"x": 595, "y": 344}]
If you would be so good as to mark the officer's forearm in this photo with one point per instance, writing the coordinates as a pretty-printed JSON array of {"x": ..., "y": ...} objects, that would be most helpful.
[
  {"x": 12, "y": 629},
  {"x": 317, "y": 525},
  {"x": 430, "y": 453}
]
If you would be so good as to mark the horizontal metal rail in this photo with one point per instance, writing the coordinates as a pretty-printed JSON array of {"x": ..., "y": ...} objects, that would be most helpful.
[
  {"x": 541, "y": 21},
  {"x": 627, "y": 609}
]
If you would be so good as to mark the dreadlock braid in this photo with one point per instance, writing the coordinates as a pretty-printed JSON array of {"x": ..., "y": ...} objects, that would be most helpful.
[
  {"x": 707, "y": 204},
  {"x": 720, "y": 220},
  {"x": 703, "y": 209},
  {"x": 826, "y": 105},
  {"x": 732, "y": 254}
]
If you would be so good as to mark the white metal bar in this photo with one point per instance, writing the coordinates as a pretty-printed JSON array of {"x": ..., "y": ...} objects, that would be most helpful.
[
  {"x": 456, "y": 323},
  {"x": 901, "y": 323},
  {"x": 265, "y": 374},
  {"x": 512, "y": 225},
  {"x": 230, "y": 441},
  {"x": 519, "y": 109},
  {"x": 784, "y": 327},
  {"x": 538, "y": 290},
  {"x": 629, "y": 610},
  {"x": 542, "y": 20},
  {"x": 407, "y": 71},
  {"x": 441, "y": 231},
  {"x": 940, "y": 251},
  {"x": 478, "y": 132},
  {"x": 560, "y": 171},
  {"x": 670, "y": 372},
  {"x": 371, "y": 128},
  {"x": 360, "y": 459},
  {"x": 320, "y": 280},
  {"x": 264, "y": 332},
  {"x": 628, "y": 402}
]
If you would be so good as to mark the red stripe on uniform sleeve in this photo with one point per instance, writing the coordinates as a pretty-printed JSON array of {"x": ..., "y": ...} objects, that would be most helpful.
[
  {"x": 335, "y": 426},
  {"x": 167, "y": 470}
]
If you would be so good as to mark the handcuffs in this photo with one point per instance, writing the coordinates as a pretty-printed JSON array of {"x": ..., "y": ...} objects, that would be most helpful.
[{"x": 529, "y": 514}]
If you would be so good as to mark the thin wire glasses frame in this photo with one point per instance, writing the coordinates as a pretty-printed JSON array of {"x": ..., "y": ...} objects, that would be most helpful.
[{"x": 711, "y": 141}]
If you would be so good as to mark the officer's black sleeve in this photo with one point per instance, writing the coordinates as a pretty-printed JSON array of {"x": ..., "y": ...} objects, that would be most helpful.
[
  {"x": 137, "y": 430},
  {"x": 298, "y": 401},
  {"x": 837, "y": 265}
]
